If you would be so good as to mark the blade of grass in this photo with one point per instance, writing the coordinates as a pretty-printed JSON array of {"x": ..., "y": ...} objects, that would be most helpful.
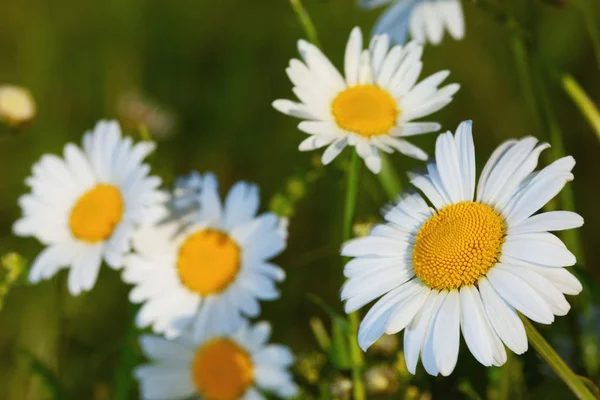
[{"x": 548, "y": 354}]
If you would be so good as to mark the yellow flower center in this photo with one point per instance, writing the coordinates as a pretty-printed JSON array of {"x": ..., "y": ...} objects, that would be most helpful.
[
  {"x": 208, "y": 262},
  {"x": 365, "y": 109},
  {"x": 222, "y": 370},
  {"x": 96, "y": 213},
  {"x": 458, "y": 245}
]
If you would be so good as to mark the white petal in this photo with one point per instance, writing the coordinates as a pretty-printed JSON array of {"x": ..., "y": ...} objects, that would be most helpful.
[
  {"x": 516, "y": 292},
  {"x": 416, "y": 331},
  {"x": 334, "y": 150},
  {"x": 540, "y": 190},
  {"x": 294, "y": 109},
  {"x": 548, "y": 221},
  {"x": 160, "y": 349},
  {"x": 352, "y": 57},
  {"x": 474, "y": 326},
  {"x": 490, "y": 165},
  {"x": 210, "y": 202},
  {"x": 428, "y": 356},
  {"x": 504, "y": 318},
  {"x": 433, "y": 22},
  {"x": 452, "y": 14},
  {"x": 417, "y": 23},
  {"x": 375, "y": 246},
  {"x": 554, "y": 297},
  {"x": 466, "y": 151},
  {"x": 395, "y": 20},
  {"x": 505, "y": 168},
  {"x": 446, "y": 334},
  {"x": 407, "y": 307},
  {"x": 537, "y": 249},
  {"x": 562, "y": 279},
  {"x": 49, "y": 261},
  {"x": 241, "y": 204},
  {"x": 375, "y": 322},
  {"x": 365, "y": 288},
  {"x": 448, "y": 166},
  {"x": 418, "y": 128}
]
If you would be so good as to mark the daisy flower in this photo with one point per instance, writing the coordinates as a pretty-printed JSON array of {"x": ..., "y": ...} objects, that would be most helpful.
[
  {"x": 86, "y": 206},
  {"x": 426, "y": 19},
  {"x": 213, "y": 270},
  {"x": 370, "y": 108},
  {"x": 216, "y": 366},
  {"x": 470, "y": 260}
]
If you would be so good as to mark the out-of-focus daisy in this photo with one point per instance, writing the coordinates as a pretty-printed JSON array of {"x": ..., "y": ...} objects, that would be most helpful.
[
  {"x": 370, "y": 108},
  {"x": 469, "y": 262},
  {"x": 216, "y": 366},
  {"x": 212, "y": 272},
  {"x": 86, "y": 206},
  {"x": 16, "y": 105},
  {"x": 426, "y": 19}
]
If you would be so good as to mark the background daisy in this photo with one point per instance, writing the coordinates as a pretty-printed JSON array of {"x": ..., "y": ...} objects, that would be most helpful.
[
  {"x": 212, "y": 272},
  {"x": 426, "y": 19},
  {"x": 370, "y": 108},
  {"x": 469, "y": 263},
  {"x": 216, "y": 366},
  {"x": 86, "y": 206}
]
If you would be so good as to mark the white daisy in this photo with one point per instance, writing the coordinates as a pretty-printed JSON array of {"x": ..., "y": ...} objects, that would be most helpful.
[
  {"x": 426, "y": 19},
  {"x": 211, "y": 272},
  {"x": 86, "y": 207},
  {"x": 470, "y": 262},
  {"x": 371, "y": 108},
  {"x": 216, "y": 366}
]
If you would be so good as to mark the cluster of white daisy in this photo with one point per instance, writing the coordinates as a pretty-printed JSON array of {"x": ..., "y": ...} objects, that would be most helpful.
[
  {"x": 471, "y": 257},
  {"x": 198, "y": 266},
  {"x": 464, "y": 257}
]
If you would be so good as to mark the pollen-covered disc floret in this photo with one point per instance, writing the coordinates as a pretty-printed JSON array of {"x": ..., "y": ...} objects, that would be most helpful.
[
  {"x": 372, "y": 107},
  {"x": 458, "y": 245},
  {"x": 464, "y": 258},
  {"x": 217, "y": 365},
  {"x": 365, "y": 109},
  {"x": 222, "y": 370},
  {"x": 208, "y": 261},
  {"x": 85, "y": 206},
  {"x": 208, "y": 266}
]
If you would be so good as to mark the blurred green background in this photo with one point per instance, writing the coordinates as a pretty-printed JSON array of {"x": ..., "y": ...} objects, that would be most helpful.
[{"x": 217, "y": 66}]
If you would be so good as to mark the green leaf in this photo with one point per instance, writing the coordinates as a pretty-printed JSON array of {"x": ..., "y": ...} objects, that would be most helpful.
[{"x": 48, "y": 377}]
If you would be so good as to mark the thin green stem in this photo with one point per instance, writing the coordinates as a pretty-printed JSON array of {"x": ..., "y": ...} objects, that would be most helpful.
[
  {"x": 306, "y": 22},
  {"x": 389, "y": 179},
  {"x": 582, "y": 101},
  {"x": 123, "y": 382},
  {"x": 351, "y": 195},
  {"x": 356, "y": 354},
  {"x": 548, "y": 354}
]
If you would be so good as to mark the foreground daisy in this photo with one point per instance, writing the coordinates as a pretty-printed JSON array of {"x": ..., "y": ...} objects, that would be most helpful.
[
  {"x": 370, "y": 108},
  {"x": 86, "y": 206},
  {"x": 216, "y": 367},
  {"x": 470, "y": 262},
  {"x": 212, "y": 270},
  {"x": 426, "y": 19}
]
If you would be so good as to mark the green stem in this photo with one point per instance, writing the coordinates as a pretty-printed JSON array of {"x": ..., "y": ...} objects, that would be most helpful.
[
  {"x": 582, "y": 101},
  {"x": 123, "y": 378},
  {"x": 548, "y": 354},
  {"x": 389, "y": 179},
  {"x": 356, "y": 354},
  {"x": 306, "y": 22}
]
